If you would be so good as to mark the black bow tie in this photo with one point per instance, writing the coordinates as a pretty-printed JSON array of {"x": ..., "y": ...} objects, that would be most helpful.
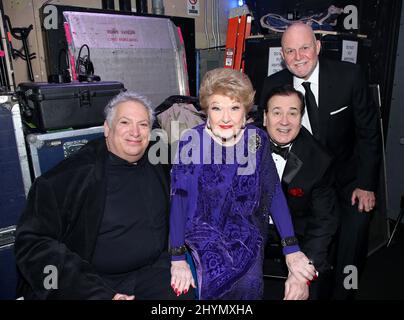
[{"x": 281, "y": 150}]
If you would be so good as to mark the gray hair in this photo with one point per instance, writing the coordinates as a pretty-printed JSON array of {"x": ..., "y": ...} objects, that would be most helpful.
[{"x": 126, "y": 96}]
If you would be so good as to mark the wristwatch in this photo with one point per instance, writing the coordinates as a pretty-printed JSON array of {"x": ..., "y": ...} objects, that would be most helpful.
[{"x": 289, "y": 241}]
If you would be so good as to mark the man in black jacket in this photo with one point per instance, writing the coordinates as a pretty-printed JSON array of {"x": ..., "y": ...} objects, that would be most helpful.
[
  {"x": 96, "y": 225},
  {"x": 343, "y": 119},
  {"x": 304, "y": 168}
]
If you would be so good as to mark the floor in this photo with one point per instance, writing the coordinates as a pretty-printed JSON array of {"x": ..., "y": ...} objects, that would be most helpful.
[{"x": 383, "y": 277}]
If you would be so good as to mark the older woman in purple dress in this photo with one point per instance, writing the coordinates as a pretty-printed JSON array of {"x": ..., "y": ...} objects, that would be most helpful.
[{"x": 224, "y": 188}]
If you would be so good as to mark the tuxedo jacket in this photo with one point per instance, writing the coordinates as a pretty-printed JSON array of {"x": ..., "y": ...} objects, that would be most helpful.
[
  {"x": 307, "y": 182},
  {"x": 349, "y": 128}
]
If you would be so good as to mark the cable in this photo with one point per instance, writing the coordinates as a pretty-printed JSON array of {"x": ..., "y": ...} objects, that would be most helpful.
[
  {"x": 82, "y": 61},
  {"x": 217, "y": 23},
  {"x": 213, "y": 23},
  {"x": 84, "y": 67},
  {"x": 64, "y": 74},
  {"x": 67, "y": 60},
  {"x": 206, "y": 24}
]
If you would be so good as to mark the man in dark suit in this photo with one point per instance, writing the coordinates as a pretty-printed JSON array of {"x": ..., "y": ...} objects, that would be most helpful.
[
  {"x": 304, "y": 169},
  {"x": 343, "y": 120}
]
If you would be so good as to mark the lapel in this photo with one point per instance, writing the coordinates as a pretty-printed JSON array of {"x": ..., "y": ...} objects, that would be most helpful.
[
  {"x": 289, "y": 78},
  {"x": 293, "y": 166}
]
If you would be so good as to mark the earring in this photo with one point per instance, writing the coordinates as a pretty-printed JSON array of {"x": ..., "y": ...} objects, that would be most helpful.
[
  {"x": 265, "y": 120},
  {"x": 208, "y": 124}
]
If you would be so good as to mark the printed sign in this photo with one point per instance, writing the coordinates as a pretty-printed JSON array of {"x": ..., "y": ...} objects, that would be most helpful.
[
  {"x": 274, "y": 60},
  {"x": 193, "y": 7},
  {"x": 349, "y": 51}
]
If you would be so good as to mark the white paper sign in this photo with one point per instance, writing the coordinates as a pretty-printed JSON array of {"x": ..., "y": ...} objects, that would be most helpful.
[
  {"x": 193, "y": 7},
  {"x": 349, "y": 51},
  {"x": 274, "y": 60}
]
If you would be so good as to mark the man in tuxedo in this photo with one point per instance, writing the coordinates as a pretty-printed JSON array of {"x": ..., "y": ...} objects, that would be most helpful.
[
  {"x": 304, "y": 168},
  {"x": 342, "y": 118}
]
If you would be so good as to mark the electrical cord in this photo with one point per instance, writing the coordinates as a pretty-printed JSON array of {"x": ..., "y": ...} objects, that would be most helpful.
[
  {"x": 321, "y": 21},
  {"x": 62, "y": 75},
  {"x": 84, "y": 66},
  {"x": 83, "y": 63}
]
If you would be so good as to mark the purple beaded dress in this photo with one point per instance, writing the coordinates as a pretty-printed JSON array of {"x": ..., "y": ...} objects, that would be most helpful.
[{"x": 221, "y": 198}]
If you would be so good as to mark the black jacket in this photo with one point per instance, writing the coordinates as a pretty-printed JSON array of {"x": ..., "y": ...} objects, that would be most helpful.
[
  {"x": 307, "y": 182},
  {"x": 60, "y": 225}
]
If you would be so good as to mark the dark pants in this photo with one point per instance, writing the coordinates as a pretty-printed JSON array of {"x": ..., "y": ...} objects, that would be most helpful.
[
  {"x": 321, "y": 288},
  {"x": 351, "y": 248},
  {"x": 151, "y": 282}
]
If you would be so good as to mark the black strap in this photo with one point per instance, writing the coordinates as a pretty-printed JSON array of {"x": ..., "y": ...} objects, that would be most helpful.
[
  {"x": 178, "y": 251},
  {"x": 289, "y": 241}
]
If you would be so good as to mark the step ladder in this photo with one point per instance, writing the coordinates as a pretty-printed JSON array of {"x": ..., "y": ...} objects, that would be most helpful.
[{"x": 238, "y": 29}]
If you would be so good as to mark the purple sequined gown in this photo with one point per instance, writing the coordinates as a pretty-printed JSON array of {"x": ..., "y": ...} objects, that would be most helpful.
[{"x": 221, "y": 199}]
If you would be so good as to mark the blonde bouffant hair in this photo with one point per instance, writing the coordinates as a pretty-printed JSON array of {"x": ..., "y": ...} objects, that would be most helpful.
[{"x": 230, "y": 83}]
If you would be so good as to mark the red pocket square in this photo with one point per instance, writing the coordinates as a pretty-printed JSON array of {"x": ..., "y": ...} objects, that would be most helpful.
[{"x": 296, "y": 192}]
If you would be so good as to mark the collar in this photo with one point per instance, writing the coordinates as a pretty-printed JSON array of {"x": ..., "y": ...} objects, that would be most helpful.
[
  {"x": 282, "y": 150},
  {"x": 115, "y": 160},
  {"x": 313, "y": 79},
  {"x": 288, "y": 145}
]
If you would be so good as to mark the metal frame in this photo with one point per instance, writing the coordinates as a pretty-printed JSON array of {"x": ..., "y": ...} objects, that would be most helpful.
[
  {"x": 21, "y": 147},
  {"x": 36, "y": 141},
  {"x": 7, "y": 56}
]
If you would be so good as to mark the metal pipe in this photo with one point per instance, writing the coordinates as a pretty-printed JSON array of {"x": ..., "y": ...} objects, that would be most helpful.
[
  {"x": 108, "y": 4},
  {"x": 213, "y": 23},
  {"x": 158, "y": 7},
  {"x": 206, "y": 24},
  {"x": 217, "y": 23},
  {"x": 141, "y": 6}
]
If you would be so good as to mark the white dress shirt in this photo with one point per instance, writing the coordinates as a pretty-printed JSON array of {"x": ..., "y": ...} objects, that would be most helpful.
[
  {"x": 314, "y": 85},
  {"x": 280, "y": 164}
]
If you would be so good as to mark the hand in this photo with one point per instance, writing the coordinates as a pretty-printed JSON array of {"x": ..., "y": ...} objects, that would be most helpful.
[
  {"x": 120, "y": 296},
  {"x": 366, "y": 199},
  {"x": 300, "y": 266},
  {"x": 295, "y": 289},
  {"x": 181, "y": 277}
]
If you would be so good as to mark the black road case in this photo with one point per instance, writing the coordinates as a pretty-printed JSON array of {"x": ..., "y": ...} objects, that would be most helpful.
[{"x": 75, "y": 105}]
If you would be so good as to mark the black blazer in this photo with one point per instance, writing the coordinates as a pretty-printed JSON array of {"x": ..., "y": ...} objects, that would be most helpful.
[
  {"x": 307, "y": 182},
  {"x": 60, "y": 226},
  {"x": 348, "y": 123}
]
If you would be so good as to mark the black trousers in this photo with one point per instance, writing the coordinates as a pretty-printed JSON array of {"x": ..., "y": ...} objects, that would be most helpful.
[
  {"x": 321, "y": 288},
  {"x": 352, "y": 247},
  {"x": 151, "y": 282}
]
